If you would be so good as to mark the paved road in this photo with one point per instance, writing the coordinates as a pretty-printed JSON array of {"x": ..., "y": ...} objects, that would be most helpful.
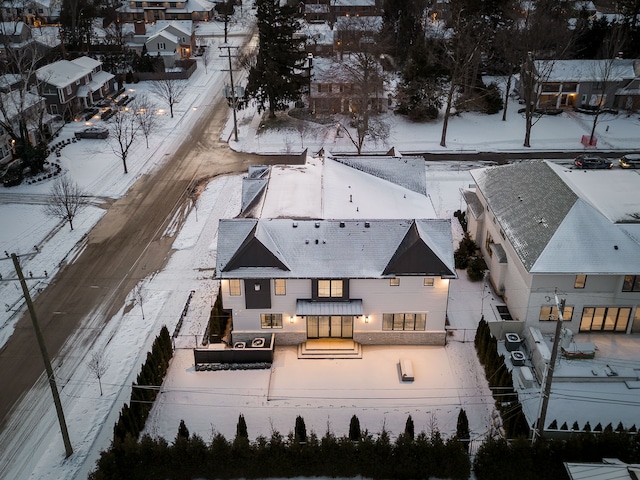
[{"x": 128, "y": 243}]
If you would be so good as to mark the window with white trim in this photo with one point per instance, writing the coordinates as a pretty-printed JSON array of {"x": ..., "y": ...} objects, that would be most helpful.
[{"x": 429, "y": 282}]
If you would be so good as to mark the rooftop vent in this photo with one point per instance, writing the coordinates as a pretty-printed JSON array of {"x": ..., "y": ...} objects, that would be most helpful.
[
  {"x": 316, "y": 241},
  {"x": 367, "y": 224},
  {"x": 341, "y": 224},
  {"x": 306, "y": 242},
  {"x": 317, "y": 224},
  {"x": 295, "y": 224}
]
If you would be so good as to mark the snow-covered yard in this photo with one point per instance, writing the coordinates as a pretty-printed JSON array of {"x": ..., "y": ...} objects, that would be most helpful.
[{"x": 324, "y": 392}]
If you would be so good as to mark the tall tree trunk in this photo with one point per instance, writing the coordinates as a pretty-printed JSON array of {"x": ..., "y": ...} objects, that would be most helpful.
[
  {"x": 507, "y": 89},
  {"x": 447, "y": 113}
]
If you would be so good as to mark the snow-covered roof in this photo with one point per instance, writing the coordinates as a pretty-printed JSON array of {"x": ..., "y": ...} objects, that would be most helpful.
[
  {"x": 12, "y": 28},
  {"x": 586, "y": 70},
  {"x": 286, "y": 248},
  {"x": 183, "y": 26},
  {"x": 163, "y": 34},
  {"x": 61, "y": 73},
  {"x": 609, "y": 469},
  {"x": 560, "y": 220},
  {"x": 87, "y": 63},
  {"x": 342, "y": 187}
]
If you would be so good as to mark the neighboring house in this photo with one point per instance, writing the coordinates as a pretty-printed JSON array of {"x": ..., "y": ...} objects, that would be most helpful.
[
  {"x": 350, "y": 34},
  {"x": 332, "y": 89},
  {"x": 71, "y": 86},
  {"x": 31, "y": 12},
  {"x": 610, "y": 83},
  {"x": 330, "y": 10},
  {"x": 20, "y": 105},
  {"x": 301, "y": 272},
  {"x": 543, "y": 228},
  {"x": 149, "y": 12},
  {"x": 171, "y": 40}
]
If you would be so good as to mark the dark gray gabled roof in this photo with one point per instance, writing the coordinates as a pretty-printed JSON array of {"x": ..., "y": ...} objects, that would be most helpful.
[
  {"x": 529, "y": 201},
  {"x": 285, "y": 248},
  {"x": 408, "y": 172}
]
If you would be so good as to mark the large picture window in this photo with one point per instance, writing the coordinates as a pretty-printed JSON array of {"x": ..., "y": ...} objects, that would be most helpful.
[
  {"x": 404, "y": 321},
  {"x": 603, "y": 319},
  {"x": 271, "y": 320},
  {"x": 234, "y": 287},
  {"x": 330, "y": 288},
  {"x": 631, "y": 283},
  {"x": 551, "y": 313}
]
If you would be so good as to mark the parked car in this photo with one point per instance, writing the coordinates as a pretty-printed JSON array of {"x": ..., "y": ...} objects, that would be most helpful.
[
  {"x": 630, "y": 161},
  {"x": 592, "y": 161},
  {"x": 13, "y": 173},
  {"x": 93, "y": 132}
]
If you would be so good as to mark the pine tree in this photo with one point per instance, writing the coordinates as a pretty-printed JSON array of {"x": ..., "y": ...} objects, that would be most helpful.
[
  {"x": 354, "y": 429},
  {"x": 278, "y": 76},
  {"x": 462, "y": 428},
  {"x": 409, "y": 430},
  {"x": 301, "y": 430},
  {"x": 183, "y": 431},
  {"x": 241, "y": 428}
]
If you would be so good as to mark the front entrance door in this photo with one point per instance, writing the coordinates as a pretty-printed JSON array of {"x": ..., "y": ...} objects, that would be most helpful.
[{"x": 325, "y": 326}]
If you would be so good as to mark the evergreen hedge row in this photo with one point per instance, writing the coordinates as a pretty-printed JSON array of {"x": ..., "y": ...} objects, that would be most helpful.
[
  {"x": 145, "y": 389},
  {"x": 298, "y": 454},
  {"x": 499, "y": 459},
  {"x": 501, "y": 384}
]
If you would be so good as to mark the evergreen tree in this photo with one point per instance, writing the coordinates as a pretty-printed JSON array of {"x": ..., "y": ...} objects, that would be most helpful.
[
  {"x": 301, "y": 430},
  {"x": 354, "y": 429},
  {"x": 409, "y": 430},
  {"x": 278, "y": 76},
  {"x": 183, "y": 431},
  {"x": 402, "y": 22},
  {"x": 462, "y": 428},
  {"x": 241, "y": 429}
]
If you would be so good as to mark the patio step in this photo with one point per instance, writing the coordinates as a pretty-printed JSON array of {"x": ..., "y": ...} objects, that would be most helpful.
[{"x": 329, "y": 348}]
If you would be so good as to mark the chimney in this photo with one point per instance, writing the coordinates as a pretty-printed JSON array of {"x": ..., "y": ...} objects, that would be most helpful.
[{"x": 139, "y": 28}]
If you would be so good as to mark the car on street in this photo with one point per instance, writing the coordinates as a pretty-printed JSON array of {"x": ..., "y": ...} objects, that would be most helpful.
[
  {"x": 592, "y": 161},
  {"x": 93, "y": 132},
  {"x": 630, "y": 161}
]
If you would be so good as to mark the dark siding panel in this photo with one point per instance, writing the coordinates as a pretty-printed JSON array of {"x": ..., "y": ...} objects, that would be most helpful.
[{"x": 257, "y": 298}]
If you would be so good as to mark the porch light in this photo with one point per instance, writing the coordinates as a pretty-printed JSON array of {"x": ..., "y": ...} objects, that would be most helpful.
[
  {"x": 292, "y": 319},
  {"x": 366, "y": 319}
]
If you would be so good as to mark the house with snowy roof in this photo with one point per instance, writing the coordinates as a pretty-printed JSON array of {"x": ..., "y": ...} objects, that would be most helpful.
[
  {"x": 544, "y": 228},
  {"x": 150, "y": 12},
  {"x": 71, "y": 86},
  {"x": 171, "y": 40},
  {"x": 609, "y": 83},
  {"x": 342, "y": 249}
]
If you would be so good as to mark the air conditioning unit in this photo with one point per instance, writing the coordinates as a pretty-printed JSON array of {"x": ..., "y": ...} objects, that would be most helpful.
[
  {"x": 518, "y": 358},
  {"x": 526, "y": 377},
  {"x": 512, "y": 341}
]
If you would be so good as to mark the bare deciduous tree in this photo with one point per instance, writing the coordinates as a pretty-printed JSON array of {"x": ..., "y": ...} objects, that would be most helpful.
[
  {"x": 139, "y": 295},
  {"x": 146, "y": 116},
  {"x": 67, "y": 199},
  {"x": 123, "y": 131},
  {"x": 98, "y": 366},
  {"x": 362, "y": 74},
  {"x": 170, "y": 90}
]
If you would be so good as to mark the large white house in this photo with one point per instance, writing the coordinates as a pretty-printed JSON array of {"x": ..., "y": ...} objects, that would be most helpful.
[
  {"x": 337, "y": 248},
  {"x": 547, "y": 229}
]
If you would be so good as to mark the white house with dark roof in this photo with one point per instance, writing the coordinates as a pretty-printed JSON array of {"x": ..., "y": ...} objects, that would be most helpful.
[
  {"x": 545, "y": 228},
  {"x": 322, "y": 250}
]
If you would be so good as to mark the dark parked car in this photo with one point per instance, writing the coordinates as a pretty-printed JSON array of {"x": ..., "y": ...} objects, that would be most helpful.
[
  {"x": 93, "y": 132},
  {"x": 592, "y": 161},
  {"x": 630, "y": 161}
]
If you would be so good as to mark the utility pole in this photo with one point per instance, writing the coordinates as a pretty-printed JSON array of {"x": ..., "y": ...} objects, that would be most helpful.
[
  {"x": 539, "y": 427},
  {"x": 233, "y": 91},
  {"x": 45, "y": 357}
]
